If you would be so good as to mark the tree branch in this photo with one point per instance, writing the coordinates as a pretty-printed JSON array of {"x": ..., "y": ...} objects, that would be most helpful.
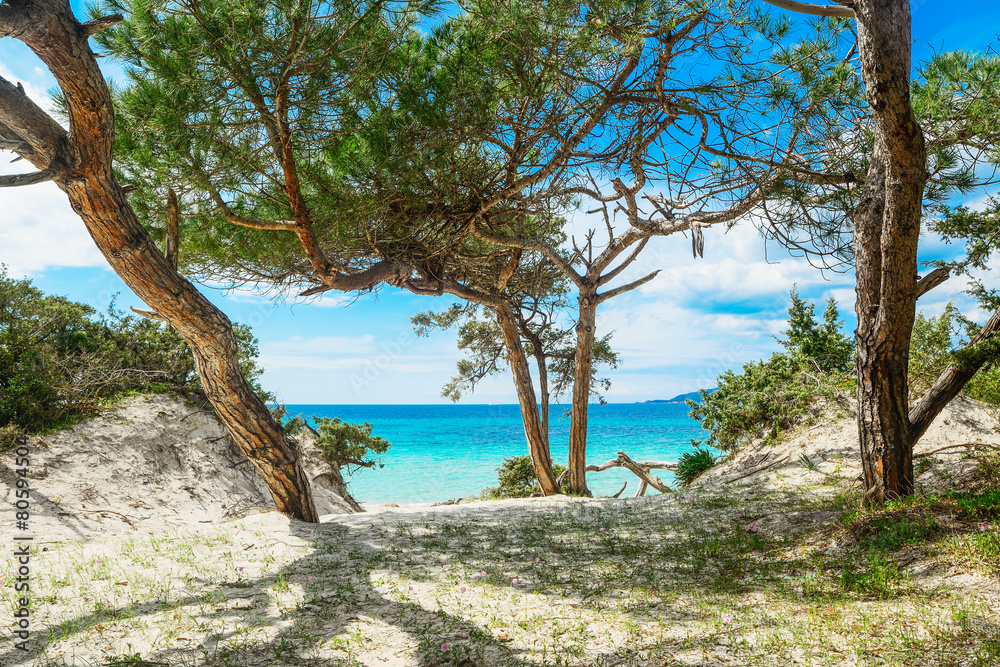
[
  {"x": 932, "y": 280},
  {"x": 95, "y": 26},
  {"x": 611, "y": 275},
  {"x": 150, "y": 314},
  {"x": 391, "y": 272},
  {"x": 610, "y": 294},
  {"x": 812, "y": 9},
  {"x": 13, "y": 20},
  {"x": 529, "y": 244},
  {"x": 173, "y": 229},
  {"x": 227, "y": 213},
  {"x": 47, "y": 141},
  {"x": 17, "y": 180}
]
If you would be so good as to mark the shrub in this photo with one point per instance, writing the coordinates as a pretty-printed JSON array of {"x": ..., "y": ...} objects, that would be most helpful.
[
  {"x": 692, "y": 464},
  {"x": 931, "y": 344},
  {"x": 343, "y": 444},
  {"x": 516, "y": 477},
  {"x": 770, "y": 396},
  {"x": 60, "y": 360}
]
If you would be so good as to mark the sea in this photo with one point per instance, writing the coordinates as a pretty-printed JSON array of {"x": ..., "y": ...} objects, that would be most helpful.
[{"x": 441, "y": 452}]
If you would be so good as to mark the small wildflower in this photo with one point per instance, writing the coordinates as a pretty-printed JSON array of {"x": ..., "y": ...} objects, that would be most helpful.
[
  {"x": 411, "y": 588},
  {"x": 462, "y": 589},
  {"x": 514, "y": 581},
  {"x": 590, "y": 539},
  {"x": 444, "y": 647},
  {"x": 982, "y": 527},
  {"x": 483, "y": 573},
  {"x": 310, "y": 578},
  {"x": 596, "y": 586},
  {"x": 700, "y": 541},
  {"x": 727, "y": 619},
  {"x": 602, "y": 530},
  {"x": 537, "y": 559},
  {"x": 738, "y": 515},
  {"x": 240, "y": 569}
]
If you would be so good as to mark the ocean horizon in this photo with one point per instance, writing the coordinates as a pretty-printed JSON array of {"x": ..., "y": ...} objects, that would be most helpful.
[{"x": 445, "y": 451}]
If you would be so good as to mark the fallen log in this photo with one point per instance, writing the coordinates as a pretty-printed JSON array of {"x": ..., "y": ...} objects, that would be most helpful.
[
  {"x": 644, "y": 475},
  {"x": 616, "y": 463}
]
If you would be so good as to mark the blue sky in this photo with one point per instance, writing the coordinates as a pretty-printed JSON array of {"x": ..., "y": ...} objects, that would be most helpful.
[{"x": 695, "y": 320}]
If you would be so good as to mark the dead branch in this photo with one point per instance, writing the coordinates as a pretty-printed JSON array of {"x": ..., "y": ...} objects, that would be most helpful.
[
  {"x": 637, "y": 470},
  {"x": 965, "y": 444}
]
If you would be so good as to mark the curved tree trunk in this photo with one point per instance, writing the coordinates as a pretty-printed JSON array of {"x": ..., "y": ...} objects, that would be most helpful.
[
  {"x": 586, "y": 331},
  {"x": 82, "y": 162},
  {"x": 538, "y": 444}
]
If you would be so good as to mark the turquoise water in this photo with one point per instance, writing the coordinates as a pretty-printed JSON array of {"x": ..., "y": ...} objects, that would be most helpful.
[{"x": 451, "y": 451}]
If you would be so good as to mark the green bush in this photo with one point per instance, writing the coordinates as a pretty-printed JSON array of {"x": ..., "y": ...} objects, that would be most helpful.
[
  {"x": 770, "y": 396},
  {"x": 985, "y": 386},
  {"x": 931, "y": 344},
  {"x": 61, "y": 360},
  {"x": 692, "y": 464},
  {"x": 516, "y": 477},
  {"x": 343, "y": 444},
  {"x": 932, "y": 349}
]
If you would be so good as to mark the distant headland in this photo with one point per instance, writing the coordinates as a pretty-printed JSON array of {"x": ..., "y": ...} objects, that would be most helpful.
[{"x": 680, "y": 398}]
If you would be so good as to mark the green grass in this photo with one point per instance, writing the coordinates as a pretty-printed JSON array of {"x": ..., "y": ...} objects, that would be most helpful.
[{"x": 751, "y": 577}]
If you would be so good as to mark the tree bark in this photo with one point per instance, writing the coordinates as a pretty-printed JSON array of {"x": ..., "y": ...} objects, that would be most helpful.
[
  {"x": 586, "y": 331},
  {"x": 887, "y": 228},
  {"x": 538, "y": 446},
  {"x": 84, "y": 163},
  {"x": 543, "y": 386}
]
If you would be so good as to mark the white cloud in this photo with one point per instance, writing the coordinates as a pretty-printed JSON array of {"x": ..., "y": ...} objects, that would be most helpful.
[{"x": 39, "y": 230}]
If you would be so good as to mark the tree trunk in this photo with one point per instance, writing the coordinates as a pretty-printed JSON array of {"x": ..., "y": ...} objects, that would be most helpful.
[
  {"x": 543, "y": 388},
  {"x": 586, "y": 329},
  {"x": 887, "y": 227},
  {"x": 83, "y": 160},
  {"x": 538, "y": 445}
]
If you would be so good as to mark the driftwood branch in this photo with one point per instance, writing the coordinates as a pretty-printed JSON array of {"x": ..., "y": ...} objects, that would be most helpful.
[
  {"x": 964, "y": 444},
  {"x": 621, "y": 490},
  {"x": 616, "y": 463},
  {"x": 641, "y": 491},
  {"x": 642, "y": 474},
  {"x": 103, "y": 513}
]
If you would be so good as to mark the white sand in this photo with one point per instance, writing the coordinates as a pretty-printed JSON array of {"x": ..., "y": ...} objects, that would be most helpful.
[{"x": 204, "y": 572}]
